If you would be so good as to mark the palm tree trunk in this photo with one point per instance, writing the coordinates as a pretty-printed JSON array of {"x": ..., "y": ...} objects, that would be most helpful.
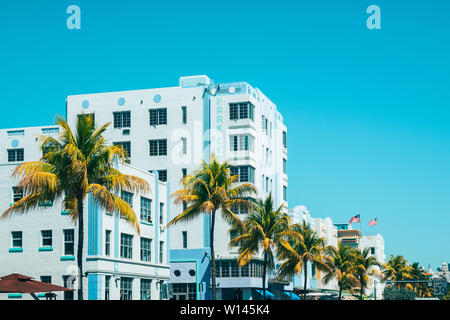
[
  {"x": 305, "y": 282},
  {"x": 213, "y": 257},
  {"x": 264, "y": 275},
  {"x": 80, "y": 248},
  {"x": 362, "y": 289},
  {"x": 340, "y": 291}
]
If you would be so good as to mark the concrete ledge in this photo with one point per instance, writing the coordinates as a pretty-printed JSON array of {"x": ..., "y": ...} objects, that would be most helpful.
[
  {"x": 67, "y": 258},
  {"x": 16, "y": 250},
  {"x": 46, "y": 249}
]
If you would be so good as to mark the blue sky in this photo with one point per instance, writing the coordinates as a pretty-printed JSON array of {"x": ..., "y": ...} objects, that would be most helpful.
[{"x": 367, "y": 111}]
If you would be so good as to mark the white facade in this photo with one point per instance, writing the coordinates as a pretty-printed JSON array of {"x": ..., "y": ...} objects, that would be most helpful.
[
  {"x": 48, "y": 237},
  {"x": 234, "y": 121},
  {"x": 376, "y": 245}
]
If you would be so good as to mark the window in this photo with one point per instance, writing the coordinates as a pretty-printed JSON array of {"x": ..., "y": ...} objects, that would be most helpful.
[
  {"x": 146, "y": 289},
  {"x": 242, "y": 142},
  {"x": 146, "y": 249},
  {"x": 158, "y": 147},
  {"x": 158, "y": 116},
  {"x": 284, "y": 139},
  {"x": 161, "y": 252},
  {"x": 146, "y": 209},
  {"x": 15, "y": 155},
  {"x": 16, "y": 237},
  {"x": 263, "y": 123},
  {"x": 267, "y": 127},
  {"x": 107, "y": 284},
  {"x": 234, "y": 269},
  {"x": 184, "y": 234},
  {"x": 126, "y": 288},
  {"x": 185, "y": 288},
  {"x": 46, "y": 279},
  {"x": 126, "y": 145},
  {"x": 122, "y": 119},
  {"x": 68, "y": 295},
  {"x": 161, "y": 213},
  {"x": 128, "y": 197},
  {"x": 284, "y": 166},
  {"x": 240, "y": 209},
  {"x": 267, "y": 184},
  {"x": 184, "y": 141},
  {"x": 245, "y": 270},
  {"x": 184, "y": 172},
  {"x": 184, "y": 114},
  {"x": 233, "y": 234},
  {"x": 108, "y": 243},
  {"x": 225, "y": 269},
  {"x": 17, "y": 194},
  {"x": 162, "y": 174},
  {"x": 245, "y": 173},
  {"x": 284, "y": 193},
  {"x": 46, "y": 236},
  {"x": 372, "y": 250},
  {"x": 69, "y": 242},
  {"x": 126, "y": 246},
  {"x": 242, "y": 110}
]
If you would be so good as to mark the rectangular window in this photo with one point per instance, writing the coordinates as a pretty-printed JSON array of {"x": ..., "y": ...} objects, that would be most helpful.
[
  {"x": 284, "y": 166},
  {"x": 184, "y": 116},
  {"x": 284, "y": 139},
  {"x": 46, "y": 236},
  {"x": 126, "y": 145},
  {"x": 267, "y": 127},
  {"x": 128, "y": 197},
  {"x": 158, "y": 147},
  {"x": 146, "y": 289},
  {"x": 184, "y": 172},
  {"x": 234, "y": 269},
  {"x": 184, "y": 141},
  {"x": 146, "y": 249},
  {"x": 69, "y": 242},
  {"x": 233, "y": 111},
  {"x": 107, "y": 285},
  {"x": 284, "y": 193},
  {"x": 246, "y": 173},
  {"x": 15, "y": 155},
  {"x": 108, "y": 243},
  {"x": 184, "y": 234},
  {"x": 126, "y": 288},
  {"x": 372, "y": 250},
  {"x": 263, "y": 123},
  {"x": 161, "y": 252},
  {"x": 242, "y": 110},
  {"x": 126, "y": 246},
  {"x": 46, "y": 279},
  {"x": 241, "y": 142},
  {"x": 68, "y": 295},
  {"x": 122, "y": 119},
  {"x": 245, "y": 270},
  {"x": 16, "y": 237},
  {"x": 162, "y": 174},
  {"x": 161, "y": 213},
  {"x": 225, "y": 269},
  {"x": 17, "y": 194},
  {"x": 158, "y": 116},
  {"x": 146, "y": 209}
]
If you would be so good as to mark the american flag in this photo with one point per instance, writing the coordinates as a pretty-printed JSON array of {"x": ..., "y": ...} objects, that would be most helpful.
[
  {"x": 356, "y": 218},
  {"x": 373, "y": 222}
]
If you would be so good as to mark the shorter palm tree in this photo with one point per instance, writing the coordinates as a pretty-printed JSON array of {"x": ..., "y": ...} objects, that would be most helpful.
[
  {"x": 302, "y": 246},
  {"x": 365, "y": 266},
  {"x": 341, "y": 267},
  {"x": 397, "y": 269},
  {"x": 263, "y": 229}
]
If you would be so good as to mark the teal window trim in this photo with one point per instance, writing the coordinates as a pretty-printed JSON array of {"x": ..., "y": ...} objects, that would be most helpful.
[
  {"x": 67, "y": 258},
  {"x": 16, "y": 250},
  {"x": 41, "y": 295},
  {"x": 147, "y": 223},
  {"x": 14, "y": 295},
  {"x": 46, "y": 249},
  {"x": 65, "y": 212}
]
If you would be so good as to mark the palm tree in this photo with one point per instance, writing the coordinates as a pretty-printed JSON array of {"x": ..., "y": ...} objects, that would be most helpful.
[
  {"x": 263, "y": 229},
  {"x": 364, "y": 267},
  {"x": 417, "y": 273},
  {"x": 397, "y": 269},
  {"x": 74, "y": 165},
  {"x": 303, "y": 246},
  {"x": 341, "y": 267},
  {"x": 209, "y": 190}
]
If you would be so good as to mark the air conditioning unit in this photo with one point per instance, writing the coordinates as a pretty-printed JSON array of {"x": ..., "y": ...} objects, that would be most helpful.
[{"x": 126, "y": 132}]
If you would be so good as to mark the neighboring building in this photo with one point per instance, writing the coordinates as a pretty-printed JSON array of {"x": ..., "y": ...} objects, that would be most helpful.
[
  {"x": 42, "y": 244},
  {"x": 443, "y": 271},
  {"x": 172, "y": 130},
  {"x": 325, "y": 229}
]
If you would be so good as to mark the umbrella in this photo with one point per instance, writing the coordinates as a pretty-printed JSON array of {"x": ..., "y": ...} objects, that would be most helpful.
[{"x": 18, "y": 283}]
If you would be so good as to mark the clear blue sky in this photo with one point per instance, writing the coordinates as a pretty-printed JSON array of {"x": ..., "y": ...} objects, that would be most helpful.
[{"x": 367, "y": 111}]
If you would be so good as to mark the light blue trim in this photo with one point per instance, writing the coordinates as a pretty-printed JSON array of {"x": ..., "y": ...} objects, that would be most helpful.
[
  {"x": 268, "y": 293},
  {"x": 65, "y": 212},
  {"x": 67, "y": 258},
  {"x": 206, "y": 155},
  {"x": 94, "y": 287},
  {"x": 16, "y": 250},
  {"x": 14, "y": 295},
  {"x": 41, "y": 295},
  {"x": 197, "y": 289},
  {"x": 157, "y": 213},
  {"x": 46, "y": 249},
  {"x": 146, "y": 223},
  {"x": 167, "y": 222}
]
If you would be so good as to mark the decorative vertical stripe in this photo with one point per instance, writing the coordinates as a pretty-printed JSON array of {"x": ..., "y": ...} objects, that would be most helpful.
[
  {"x": 94, "y": 287},
  {"x": 156, "y": 185},
  {"x": 167, "y": 221}
]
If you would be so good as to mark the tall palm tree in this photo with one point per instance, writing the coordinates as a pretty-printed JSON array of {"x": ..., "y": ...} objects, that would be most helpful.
[
  {"x": 303, "y": 246},
  {"x": 397, "y": 269},
  {"x": 365, "y": 266},
  {"x": 209, "y": 190},
  {"x": 74, "y": 165},
  {"x": 263, "y": 229},
  {"x": 417, "y": 272},
  {"x": 341, "y": 267}
]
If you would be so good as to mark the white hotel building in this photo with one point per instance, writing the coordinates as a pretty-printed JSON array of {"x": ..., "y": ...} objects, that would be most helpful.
[
  {"x": 118, "y": 263},
  {"x": 172, "y": 130}
]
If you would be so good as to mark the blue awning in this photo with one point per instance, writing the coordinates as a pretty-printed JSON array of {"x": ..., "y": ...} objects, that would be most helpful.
[
  {"x": 292, "y": 295},
  {"x": 268, "y": 293}
]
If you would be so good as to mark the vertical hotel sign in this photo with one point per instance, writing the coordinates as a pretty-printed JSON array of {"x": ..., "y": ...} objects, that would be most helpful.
[{"x": 217, "y": 133}]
